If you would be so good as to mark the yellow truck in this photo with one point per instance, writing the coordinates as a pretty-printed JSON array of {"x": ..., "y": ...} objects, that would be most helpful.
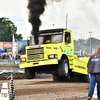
[{"x": 54, "y": 54}]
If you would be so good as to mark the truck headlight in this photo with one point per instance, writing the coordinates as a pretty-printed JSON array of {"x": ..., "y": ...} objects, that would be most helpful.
[
  {"x": 53, "y": 56},
  {"x": 23, "y": 59}
]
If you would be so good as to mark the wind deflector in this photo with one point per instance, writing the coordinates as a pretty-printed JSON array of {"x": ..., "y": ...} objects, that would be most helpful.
[
  {"x": 51, "y": 30},
  {"x": 51, "y": 36}
]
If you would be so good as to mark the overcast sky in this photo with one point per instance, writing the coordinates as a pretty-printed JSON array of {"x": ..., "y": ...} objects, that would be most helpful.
[{"x": 83, "y": 16}]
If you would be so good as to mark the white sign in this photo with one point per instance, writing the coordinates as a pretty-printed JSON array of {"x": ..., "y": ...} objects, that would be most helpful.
[{"x": 4, "y": 92}]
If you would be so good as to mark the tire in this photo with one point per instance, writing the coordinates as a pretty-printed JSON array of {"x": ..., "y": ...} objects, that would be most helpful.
[
  {"x": 63, "y": 68},
  {"x": 30, "y": 73},
  {"x": 56, "y": 78},
  {"x": 84, "y": 78}
]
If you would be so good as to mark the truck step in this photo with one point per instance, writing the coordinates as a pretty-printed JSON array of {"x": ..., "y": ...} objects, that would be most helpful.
[
  {"x": 71, "y": 59},
  {"x": 70, "y": 64}
]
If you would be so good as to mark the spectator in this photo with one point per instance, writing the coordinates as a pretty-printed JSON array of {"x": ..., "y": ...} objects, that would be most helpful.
[
  {"x": 94, "y": 70},
  {"x": 3, "y": 56}
]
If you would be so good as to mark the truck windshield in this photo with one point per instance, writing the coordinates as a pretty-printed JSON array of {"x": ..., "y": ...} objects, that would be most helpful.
[{"x": 55, "y": 37}]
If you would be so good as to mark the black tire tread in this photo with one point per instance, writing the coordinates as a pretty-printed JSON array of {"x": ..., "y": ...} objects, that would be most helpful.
[
  {"x": 30, "y": 73},
  {"x": 56, "y": 78},
  {"x": 83, "y": 78},
  {"x": 61, "y": 70}
]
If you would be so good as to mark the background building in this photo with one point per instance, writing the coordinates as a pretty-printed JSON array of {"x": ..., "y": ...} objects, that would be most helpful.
[{"x": 8, "y": 47}]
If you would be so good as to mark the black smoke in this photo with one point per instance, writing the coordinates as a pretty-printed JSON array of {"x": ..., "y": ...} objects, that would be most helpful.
[{"x": 36, "y": 8}]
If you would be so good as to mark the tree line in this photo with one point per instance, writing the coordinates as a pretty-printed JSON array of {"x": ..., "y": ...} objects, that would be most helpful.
[
  {"x": 7, "y": 29},
  {"x": 87, "y": 45}
]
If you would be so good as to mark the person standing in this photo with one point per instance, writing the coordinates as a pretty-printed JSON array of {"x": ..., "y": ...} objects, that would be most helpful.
[{"x": 94, "y": 71}]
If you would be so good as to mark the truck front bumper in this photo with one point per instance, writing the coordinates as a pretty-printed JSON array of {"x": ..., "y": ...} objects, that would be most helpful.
[{"x": 38, "y": 63}]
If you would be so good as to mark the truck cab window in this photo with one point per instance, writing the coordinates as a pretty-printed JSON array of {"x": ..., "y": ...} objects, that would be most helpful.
[
  {"x": 47, "y": 39},
  {"x": 67, "y": 37}
]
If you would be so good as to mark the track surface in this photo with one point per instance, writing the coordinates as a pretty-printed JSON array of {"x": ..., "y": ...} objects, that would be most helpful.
[
  {"x": 44, "y": 88},
  {"x": 9, "y": 67}
]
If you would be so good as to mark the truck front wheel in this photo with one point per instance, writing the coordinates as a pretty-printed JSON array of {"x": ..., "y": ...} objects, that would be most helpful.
[
  {"x": 63, "y": 68},
  {"x": 30, "y": 73}
]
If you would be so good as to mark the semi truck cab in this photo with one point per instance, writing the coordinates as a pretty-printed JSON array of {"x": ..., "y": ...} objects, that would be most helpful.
[{"x": 54, "y": 54}]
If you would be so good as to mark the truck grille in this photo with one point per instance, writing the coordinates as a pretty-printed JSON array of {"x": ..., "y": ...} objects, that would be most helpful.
[
  {"x": 35, "y": 54},
  {"x": 34, "y": 51}
]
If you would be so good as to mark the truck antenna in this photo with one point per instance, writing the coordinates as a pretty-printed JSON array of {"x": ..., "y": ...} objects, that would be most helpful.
[{"x": 66, "y": 19}]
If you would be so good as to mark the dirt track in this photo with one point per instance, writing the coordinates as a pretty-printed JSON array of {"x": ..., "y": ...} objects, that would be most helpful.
[
  {"x": 9, "y": 67},
  {"x": 44, "y": 88}
]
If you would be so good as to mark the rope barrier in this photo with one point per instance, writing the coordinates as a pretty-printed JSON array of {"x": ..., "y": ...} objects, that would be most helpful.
[{"x": 11, "y": 89}]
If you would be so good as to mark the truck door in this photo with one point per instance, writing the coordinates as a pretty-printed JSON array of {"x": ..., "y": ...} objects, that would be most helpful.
[
  {"x": 69, "y": 48},
  {"x": 69, "y": 43}
]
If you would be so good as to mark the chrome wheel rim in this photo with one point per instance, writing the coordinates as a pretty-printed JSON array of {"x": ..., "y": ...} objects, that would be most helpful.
[{"x": 66, "y": 68}]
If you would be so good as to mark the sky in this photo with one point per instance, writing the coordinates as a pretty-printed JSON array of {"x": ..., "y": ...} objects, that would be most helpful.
[{"x": 83, "y": 16}]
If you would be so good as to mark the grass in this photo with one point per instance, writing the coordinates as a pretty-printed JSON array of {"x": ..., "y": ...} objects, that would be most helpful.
[{"x": 94, "y": 99}]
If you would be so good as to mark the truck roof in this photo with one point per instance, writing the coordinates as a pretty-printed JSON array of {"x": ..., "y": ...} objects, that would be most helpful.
[{"x": 52, "y": 30}]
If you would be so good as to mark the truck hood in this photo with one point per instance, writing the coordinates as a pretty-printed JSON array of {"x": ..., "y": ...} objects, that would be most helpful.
[{"x": 44, "y": 45}]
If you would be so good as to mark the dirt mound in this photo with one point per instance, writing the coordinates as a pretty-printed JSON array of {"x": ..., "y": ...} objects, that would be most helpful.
[
  {"x": 15, "y": 76},
  {"x": 22, "y": 76}
]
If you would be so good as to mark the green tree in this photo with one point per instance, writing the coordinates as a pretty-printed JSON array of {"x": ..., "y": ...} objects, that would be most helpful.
[{"x": 7, "y": 29}]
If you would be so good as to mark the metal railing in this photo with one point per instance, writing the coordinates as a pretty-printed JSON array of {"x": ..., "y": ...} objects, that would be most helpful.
[{"x": 6, "y": 61}]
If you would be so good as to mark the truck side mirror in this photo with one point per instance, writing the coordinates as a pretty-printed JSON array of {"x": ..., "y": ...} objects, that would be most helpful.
[{"x": 28, "y": 42}]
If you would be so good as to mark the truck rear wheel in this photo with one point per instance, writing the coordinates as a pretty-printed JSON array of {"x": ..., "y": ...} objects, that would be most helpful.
[
  {"x": 63, "y": 68},
  {"x": 56, "y": 78},
  {"x": 30, "y": 73},
  {"x": 83, "y": 78}
]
